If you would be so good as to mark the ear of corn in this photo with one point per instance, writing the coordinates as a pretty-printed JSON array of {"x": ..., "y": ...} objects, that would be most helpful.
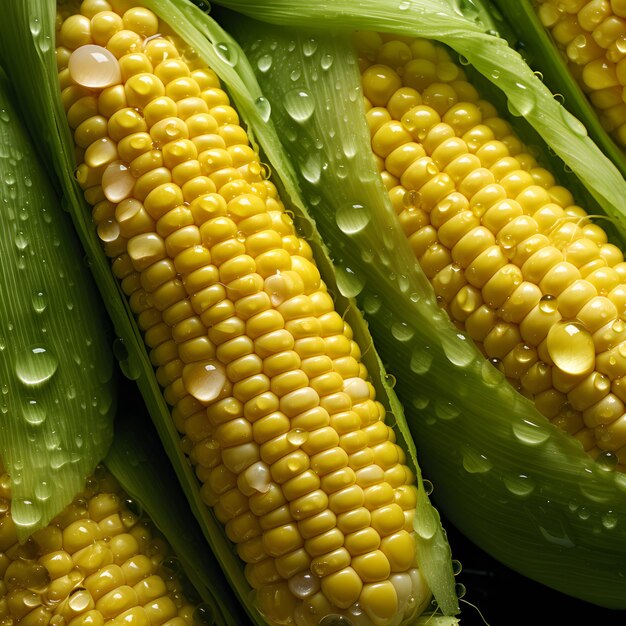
[
  {"x": 520, "y": 488},
  {"x": 382, "y": 594},
  {"x": 56, "y": 366}
]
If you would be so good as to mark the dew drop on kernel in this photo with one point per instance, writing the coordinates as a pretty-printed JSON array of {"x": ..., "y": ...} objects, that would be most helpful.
[
  {"x": 94, "y": 67},
  {"x": 204, "y": 380},
  {"x": 571, "y": 348},
  {"x": 117, "y": 182}
]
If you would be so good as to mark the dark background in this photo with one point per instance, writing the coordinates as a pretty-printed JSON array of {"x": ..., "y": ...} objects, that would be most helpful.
[{"x": 505, "y": 598}]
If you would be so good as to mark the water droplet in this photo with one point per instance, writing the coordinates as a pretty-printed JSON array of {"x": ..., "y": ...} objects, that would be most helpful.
[
  {"x": 26, "y": 513},
  {"x": 35, "y": 366},
  {"x": 405, "y": 5},
  {"x": 94, "y": 67},
  {"x": 371, "y": 303},
  {"x": 227, "y": 53},
  {"x": 402, "y": 331},
  {"x": 571, "y": 348},
  {"x": 79, "y": 600},
  {"x": 297, "y": 436},
  {"x": 548, "y": 304},
  {"x": 21, "y": 241},
  {"x": 446, "y": 410},
  {"x": 421, "y": 361},
  {"x": 522, "y": 102},
  {"x": 352, "y": 218},
  {"x": 474, "y": 462},
  {"x": 309, "y": 47},
  {"x": 264, "y": 107},
  {"x": 204, "y": 380},
  {"x": 460, "y": 351},
  {"x": 34, "y": 413},
  {"x": 326, "y": 61},
  {"x": 312, "y": 167},
  {"x": 303, "y": 584},
  {"x": 530, "y": 433},
  {"x": 43, "y": 491},
  {"x": 108, "y": 230},
  {"x": 299, "y": 104},
  {"x": 609, "y": 520},
  {"x": 349, "y": 283},
  {"x": 39, "y": 301},
  {"x": 519, "y": 485},
  {"x": 117, "y": 182},
  {"x": 607, "y": 460},
  {"x": 264, "y": 63}
]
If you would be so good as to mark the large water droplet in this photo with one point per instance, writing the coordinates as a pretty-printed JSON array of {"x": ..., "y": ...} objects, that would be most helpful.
[
  {"x": 204, "y": 380},
  {"x": 459, "y": 350},
  {"x": 402, "y": 331},
  {"x": 352, "y": 218},
  {"x": 303, "y": 584},
  {"x": 571, "y": 348},
  {"x": 35, "y": 366},
  {"x": 117, "y": 182},
  {"x": 94, "y": 67},
  {"x": 227, "y": 52},
  {"x": 519, "y": 485},
  {"x": 349, "y": 283},
  {"x": 299, "y": 104},
  {"x": 421, "y": 361},
  {"x": 264, "y": 108}
]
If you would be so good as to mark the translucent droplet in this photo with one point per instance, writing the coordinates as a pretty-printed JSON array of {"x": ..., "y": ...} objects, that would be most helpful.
[
  {"x": 401, "y": 331},
  {"x": 524, "y": 101},
  {"x": 35, "y": 366},
  {"x": 309, "y": 47},
  {"x": 571, "y": 348},
  {"x": 264, "y": 63},
  {"x": 548, "y": 304},
  {"x": 326, "y": 61},
  {"x": 609, "y": 520},
  {"x": 79, "y": 600},
  {"x": 335, "y": 620},
  {"x": 264, "y": 107},
  {"x": 117, "y": 182},
  {"x": 311, "y": 168},
  {"x": 607, "y": 460},
  {"x": 99, "y": 153},
  {"x": 299, "y": 104},
  {"x": 520, "y": 485},
  {"x": 303, "y": 584},
  {"x": 94, "y": 67},
  {"x": 352, "y": 218},
  {"x": 39, "y": 301},
  {"x": 459, "y": 351},
  {"x": 530, "y": 433},
  {"x": 204, "y": 380},
  {"x": 227, "y": 52},
  {"x": 421, "y": 361},
  {"x": 257, "y": 478},
  {"x": 297, "y": 436},
  {"x": 446, "y": 410},
  {"x": 25, "y": 512},
  {"x": 349, "y": 283},
  {"x": 34, "y": 413},
  {"x": 474, "y": 462},
  {"x": 43, "y": 491}
]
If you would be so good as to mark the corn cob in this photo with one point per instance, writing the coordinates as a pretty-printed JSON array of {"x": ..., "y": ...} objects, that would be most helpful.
[
  {"x": 99, "y": 561},
  {"x": 512, "y": 259},
  {"x": 263, "y": 377},
  {"x": 591, "y": 35}
]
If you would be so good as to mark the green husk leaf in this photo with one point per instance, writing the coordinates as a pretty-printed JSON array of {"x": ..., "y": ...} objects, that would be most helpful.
[
  {"x": 509, "y": 480},
  {"x": 56, "y": 367},
  {"x": 138, "y": 462},
  {"x": 26, "y": 49}
]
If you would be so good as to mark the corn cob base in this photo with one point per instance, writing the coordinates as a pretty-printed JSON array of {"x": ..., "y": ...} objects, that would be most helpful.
[{"x": 267, "y": 388}]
